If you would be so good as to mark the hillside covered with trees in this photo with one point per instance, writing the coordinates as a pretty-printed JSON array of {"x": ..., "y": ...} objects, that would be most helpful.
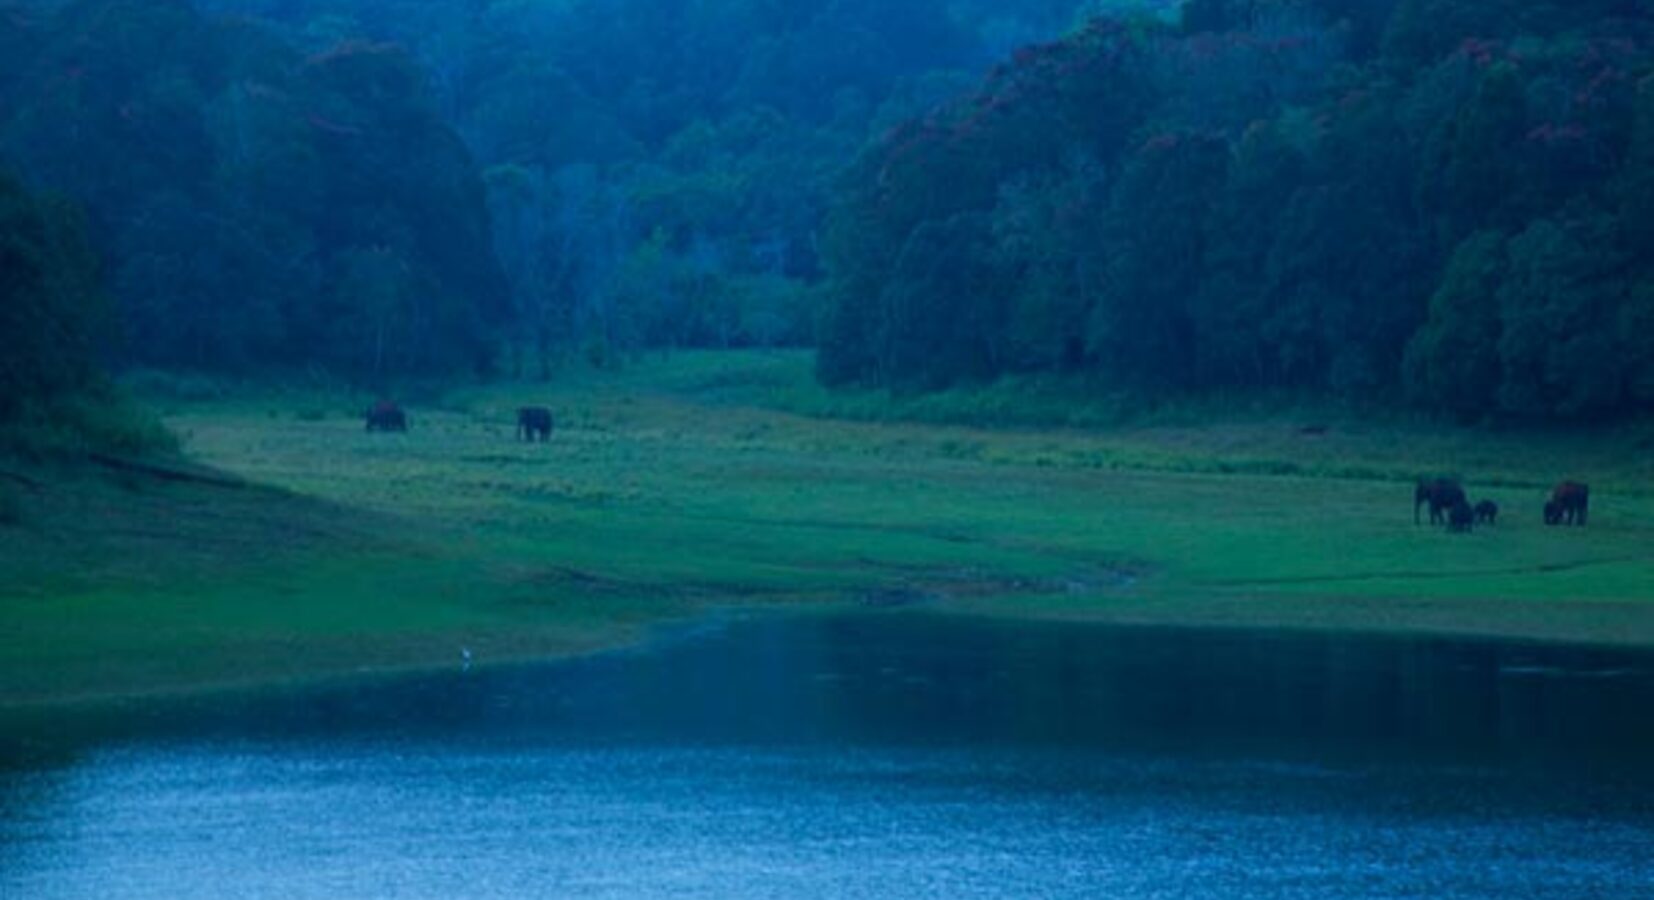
[
  {"x": 658, "y": 170},
  {"x": 380, "y": 188},
  {"x": 254, "y": 206},
  {"x": 1447, "y": 199},
  {"x": 1448, "y": 203}
]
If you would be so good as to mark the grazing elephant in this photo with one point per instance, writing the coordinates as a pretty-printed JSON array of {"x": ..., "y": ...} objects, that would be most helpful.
[
  {"x": 1569, "y": 503},
  {"x": 534, "y": 423},
  {"x": 1461, "y": 517},
  {"x": 1487, "y": 512},
  {"x": 386, "y": 416},
  {"x": 1441, "y": 493}
]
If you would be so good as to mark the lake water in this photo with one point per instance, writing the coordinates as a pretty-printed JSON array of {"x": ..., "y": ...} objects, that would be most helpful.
[{"x": 883, "y": 755}]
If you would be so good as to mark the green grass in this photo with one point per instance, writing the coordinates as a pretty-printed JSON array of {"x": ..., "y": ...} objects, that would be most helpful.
[
  {"x": 11, "y": 505},
  {"x": 679, "y": 485}
]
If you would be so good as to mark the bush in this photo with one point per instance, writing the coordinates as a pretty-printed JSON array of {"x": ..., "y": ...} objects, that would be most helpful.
[{"x": 100, "y": 420}]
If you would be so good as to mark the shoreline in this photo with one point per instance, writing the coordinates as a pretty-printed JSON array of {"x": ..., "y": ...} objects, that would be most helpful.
[
  {"x": 1290, "y": 622},
  {"x": 663, "y": 498}
]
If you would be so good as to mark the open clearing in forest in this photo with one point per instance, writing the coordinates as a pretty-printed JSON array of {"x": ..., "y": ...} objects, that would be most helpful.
[{"x": 712, "y": 480}]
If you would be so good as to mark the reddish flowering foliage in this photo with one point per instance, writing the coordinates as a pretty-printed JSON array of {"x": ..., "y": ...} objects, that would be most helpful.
[
  {"x": 906, "y": 145},
  {"x": 1483, "y": 52},
  {"x": 1171, "y": 142},
  {"x": 1354, "y": 99},
  {"x": 262, "y": 91},
  {"x": 1204, "y": 46},
  {"x": 1611, "y": 53},
  {"x": 1605, "y": 79},
  {"x": 1597, "y": 72},
  {"x": 1550, "y": 134},
  {"x": 1163, "y": 142},
  {"x": 1041, "y": 86},
  {"x": 1210, "y": 46},
  {"x": 1601, "y": 83},
  {"x": 1030, "y": 55},
  {"x": 1099, "y": 47},
  {"x": 322, "y": 124},
  {"x": 900, "y": 132},
  {"x": 1070, "y": 212},
  {"x": 345, "y": 52},
  {"x": 367, "y": 69}
]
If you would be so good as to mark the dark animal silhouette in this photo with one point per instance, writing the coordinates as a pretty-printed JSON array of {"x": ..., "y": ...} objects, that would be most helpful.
[
  {"x": 1487, "y": 512},
  {"x": 534, "y": 423},
  {"x": 386, "y": 416},
  {"x": 1460, "y": 516},
  {"x": 1441, "y": 493},
  {"x": 1569, "y": 503}
]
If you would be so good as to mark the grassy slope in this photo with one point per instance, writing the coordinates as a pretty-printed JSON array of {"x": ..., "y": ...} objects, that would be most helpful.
[{"x": 683, "y": 484}]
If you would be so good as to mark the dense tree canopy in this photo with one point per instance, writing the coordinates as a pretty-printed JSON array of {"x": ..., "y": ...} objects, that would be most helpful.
[
  {"x": 659, "y": 168},
  {"x": 51, "y": 304},
  {"x": 256, "y": 206},
  {"x": 312, "y": 181},
  {"x": 1446, "y": 199}
]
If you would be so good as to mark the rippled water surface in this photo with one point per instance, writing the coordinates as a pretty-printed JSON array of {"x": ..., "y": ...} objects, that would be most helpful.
[{"x": 886, "y": 755}]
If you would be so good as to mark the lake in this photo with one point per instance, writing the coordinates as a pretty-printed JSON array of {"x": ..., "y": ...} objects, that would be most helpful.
[{"x": 895, "y": 754}]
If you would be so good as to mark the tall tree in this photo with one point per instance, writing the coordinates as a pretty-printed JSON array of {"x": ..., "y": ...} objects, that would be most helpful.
[{"x": 52, "y": 312}]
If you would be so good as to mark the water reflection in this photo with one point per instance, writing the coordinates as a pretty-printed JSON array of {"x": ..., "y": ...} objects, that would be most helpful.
[{"x": 881, "y": 755}]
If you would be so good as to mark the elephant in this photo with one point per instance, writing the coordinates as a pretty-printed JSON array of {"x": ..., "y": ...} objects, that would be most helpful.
[
  {"x": 386, "y": 416},
  {"x": 1487, "y": 512},
  {"x": 1570, "y": 502},
  {"x": 1441, "y": 493},
  {"x": 534, "y": 423},
  {"x": 1461, "y": 517}
]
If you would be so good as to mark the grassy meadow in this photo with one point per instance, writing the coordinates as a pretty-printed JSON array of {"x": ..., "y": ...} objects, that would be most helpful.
[{"x": 706, "y": 482}]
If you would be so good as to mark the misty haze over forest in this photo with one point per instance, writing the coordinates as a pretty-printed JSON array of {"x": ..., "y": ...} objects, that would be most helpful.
[{"x": 1421, "y": 201}]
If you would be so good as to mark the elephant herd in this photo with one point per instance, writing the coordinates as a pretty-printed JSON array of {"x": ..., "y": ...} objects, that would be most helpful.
[
  {"x": 534, "y": 423},
  {"x": 1449, "y": 506},
  {"x": 1569, "y": 503}
]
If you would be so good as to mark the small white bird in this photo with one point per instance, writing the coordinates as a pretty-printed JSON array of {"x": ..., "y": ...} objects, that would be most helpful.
[{"x": 465, "y": 659}]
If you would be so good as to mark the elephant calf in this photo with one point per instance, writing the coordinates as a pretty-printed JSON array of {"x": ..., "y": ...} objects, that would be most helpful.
[{"x": 1461, "y": 517}]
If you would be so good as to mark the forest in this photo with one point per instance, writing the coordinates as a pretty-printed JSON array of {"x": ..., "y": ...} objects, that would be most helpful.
[
  {"x": 1438, "y": 203},
  {"x": 1447, "y": 201},
  {"x": 827, "y": 448}
]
